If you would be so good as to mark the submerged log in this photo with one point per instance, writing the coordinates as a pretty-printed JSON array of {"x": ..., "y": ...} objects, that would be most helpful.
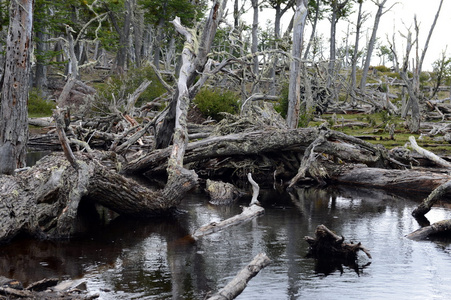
[
  {"x": 328, "y": 245},
  {"x": 441, "y": 227},
  {"x": 239, "y": 282},
  {"x": 248, "y": 214}
]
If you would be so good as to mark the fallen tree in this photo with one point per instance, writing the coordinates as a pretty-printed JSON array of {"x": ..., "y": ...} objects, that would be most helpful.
[{"x": 43, "y": 201}]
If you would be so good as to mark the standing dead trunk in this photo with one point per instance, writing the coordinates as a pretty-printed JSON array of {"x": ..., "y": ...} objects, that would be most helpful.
[
  {"x": 166, "y": 130},
  {"x": 371, "y": 43},
  {"x": 254, "y": 47},
  {"x": 294, "y": 90},
  {"x": 15, "y": 84}
]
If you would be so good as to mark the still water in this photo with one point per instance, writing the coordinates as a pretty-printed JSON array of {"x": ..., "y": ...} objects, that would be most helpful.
[{"x": 137, "y": 259}]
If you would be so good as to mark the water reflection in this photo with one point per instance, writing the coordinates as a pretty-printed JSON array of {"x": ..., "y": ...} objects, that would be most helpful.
[{"x": 156, "y": 259}]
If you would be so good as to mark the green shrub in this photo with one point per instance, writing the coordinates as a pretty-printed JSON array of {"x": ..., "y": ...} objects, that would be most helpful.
[
  {"x": 382, "y": 69},
  {"x": 211, "y": 102},
  {"x": 38, "y": 106},
  {"x": 393, "y": 75},
  {"x": 282, "y": 105},
  {"x": 119, "y": 87}
]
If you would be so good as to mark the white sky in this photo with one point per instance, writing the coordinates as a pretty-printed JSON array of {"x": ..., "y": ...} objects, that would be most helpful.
[{"x": 400, "y": 16}]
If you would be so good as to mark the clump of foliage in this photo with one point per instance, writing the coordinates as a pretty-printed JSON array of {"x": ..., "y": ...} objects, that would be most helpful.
[
  {"x": 118, "y": 87},
  {"x": 212, "y": 101},
  {"x": 38, "y": 106},
  {"x": 282, "y": 105},
  {"x": 382, "y": 69}
]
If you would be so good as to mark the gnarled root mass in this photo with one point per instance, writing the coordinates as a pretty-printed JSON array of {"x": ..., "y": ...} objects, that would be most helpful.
[{"x": 328, "y": 245}]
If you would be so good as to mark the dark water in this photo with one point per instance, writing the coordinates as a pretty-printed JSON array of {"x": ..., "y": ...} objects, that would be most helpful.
[{"x": 132, "y": 259}]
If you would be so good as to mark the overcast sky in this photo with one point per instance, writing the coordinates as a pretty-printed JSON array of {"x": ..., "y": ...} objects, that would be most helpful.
[{"x": 400, "y": 16}]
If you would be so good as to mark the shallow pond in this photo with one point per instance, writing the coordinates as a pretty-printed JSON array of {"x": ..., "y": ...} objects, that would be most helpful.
[{"x": 136, "y": 259}]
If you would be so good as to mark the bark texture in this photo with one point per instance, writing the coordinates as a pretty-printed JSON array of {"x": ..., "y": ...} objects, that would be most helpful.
[
  {"x": 15, "y": 82},
  {"x": 44, "y": 200}
]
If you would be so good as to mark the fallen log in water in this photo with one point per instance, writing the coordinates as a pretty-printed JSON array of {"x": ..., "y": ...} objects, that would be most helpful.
[
  {"x": 437, "y": 194},
  {"x": 248, "y": 214},
  {"x": 239, "y": 282},
  {"x": 440, "y": 227},
  {"x": 43, "y": 201},
  {"x": 393, "y": 180}
]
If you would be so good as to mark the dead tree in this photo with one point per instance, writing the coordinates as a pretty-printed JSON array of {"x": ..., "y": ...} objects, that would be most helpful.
[
  {"x": 195, "y": 56},
  {"x": 15, "y": 82},
  {"x": 294, "y": 93}
]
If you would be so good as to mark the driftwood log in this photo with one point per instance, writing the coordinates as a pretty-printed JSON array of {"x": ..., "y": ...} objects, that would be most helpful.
[
  {"x": 328, "y": 245},
  {"x": 247, "y": 215},
  {"x": 440, "y": 227},
  {"x": 239, "y": 282}
]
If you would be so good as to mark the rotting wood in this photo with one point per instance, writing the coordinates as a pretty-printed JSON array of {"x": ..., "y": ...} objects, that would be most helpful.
[
  {"x": 393, "y": 180},
  {"x": 50, "y": 193},
  {"x": 328, "y": 245},
  {"x": 347, "y": 148},
  {"x": 239, "y": 282},
  {"x": 221, "y": 193}
]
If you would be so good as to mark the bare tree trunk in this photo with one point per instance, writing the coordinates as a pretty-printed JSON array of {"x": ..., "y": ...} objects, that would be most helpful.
[
  {"x": 15, "y": 85},
  {"x": 165, "y": 132},
  {"x": 254, "y": 47},
  {"x": 40, "y": 76},
  {"x": 294, "y": 97},
  {"x": 312, "y": 35},
  {"x": 371, "y": 43},
  {"x": 138, "y": 32},
  {"x": 356, "y": 48},
  {"x": 124, "y": 34}
]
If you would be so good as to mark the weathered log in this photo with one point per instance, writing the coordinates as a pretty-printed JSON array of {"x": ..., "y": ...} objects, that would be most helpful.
[
  {"x": 440, "y": 227},
  {"x": 393, "y": 180},
  {"x": 248, "y": 214},
  {"x": 428, "y": 154},
  {"x": 43, "y": 201},
  {"x": 328, "y": 245},
  {"x": 440, "y": 192},
  {"x": 239, "y": 282},
  {"x": 221, "y": 192},
  {"x": 345, "y": 147}
]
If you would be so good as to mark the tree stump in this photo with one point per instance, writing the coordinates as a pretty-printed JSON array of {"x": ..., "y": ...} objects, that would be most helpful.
[
  {"x": 221, "y": 193},
  {"x": 328, "y": 245}
]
